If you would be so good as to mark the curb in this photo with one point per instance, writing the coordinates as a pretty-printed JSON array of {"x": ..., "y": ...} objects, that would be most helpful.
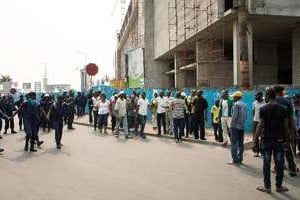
[{"x": 247, "y": 145}]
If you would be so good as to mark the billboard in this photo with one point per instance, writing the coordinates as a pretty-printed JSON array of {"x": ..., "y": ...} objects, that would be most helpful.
[{"x": 135, "y": 62}]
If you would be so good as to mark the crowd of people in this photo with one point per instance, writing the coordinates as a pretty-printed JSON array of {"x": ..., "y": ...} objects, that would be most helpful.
[
  {"x": 33, "y": 115},
  {"x": 276, "y": 120}
]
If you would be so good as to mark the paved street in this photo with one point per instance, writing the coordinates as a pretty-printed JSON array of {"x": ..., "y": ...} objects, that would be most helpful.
[
  {"x": 93, "y": 167},
  {"x": 209, "y": 135}
]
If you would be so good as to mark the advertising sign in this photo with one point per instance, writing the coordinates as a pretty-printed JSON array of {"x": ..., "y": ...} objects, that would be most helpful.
[{"x": 136, "y": 68}]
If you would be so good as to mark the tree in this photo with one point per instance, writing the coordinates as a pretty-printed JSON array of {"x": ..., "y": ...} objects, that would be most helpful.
[{"x": 5, "y": 78}]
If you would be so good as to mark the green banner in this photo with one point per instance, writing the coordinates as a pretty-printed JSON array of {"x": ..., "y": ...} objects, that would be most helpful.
[{"x": 136, "y": 68}]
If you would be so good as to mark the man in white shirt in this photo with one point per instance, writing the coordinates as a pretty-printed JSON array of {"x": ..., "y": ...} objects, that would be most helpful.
[
  {"x": 96, "y": 100},
  {"x": 103, "y": 111},
  {"x": 225, "y": 115},
  {"x": 161, "y": 103},
  {"x": 257, "y": 105},
  {"x": 142, "y": 113},
  {"x": 121, "y": 115}
]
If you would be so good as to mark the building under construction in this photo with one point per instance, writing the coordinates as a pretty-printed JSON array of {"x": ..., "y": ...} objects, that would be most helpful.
[{"x": 211, "y": 43}]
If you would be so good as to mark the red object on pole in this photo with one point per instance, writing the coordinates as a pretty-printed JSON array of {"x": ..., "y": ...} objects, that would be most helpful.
[{"x": 91, "y": 69}]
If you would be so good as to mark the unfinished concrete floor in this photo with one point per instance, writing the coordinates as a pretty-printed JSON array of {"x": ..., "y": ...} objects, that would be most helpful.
[{"x": 94, "y": 167}]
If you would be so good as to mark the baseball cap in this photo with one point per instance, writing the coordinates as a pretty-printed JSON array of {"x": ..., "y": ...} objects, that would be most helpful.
[{"x": 237, "y": 94}]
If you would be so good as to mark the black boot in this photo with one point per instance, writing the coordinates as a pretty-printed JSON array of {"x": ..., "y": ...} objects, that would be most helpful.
[
  {"x": 26, "y": 146},
  {"x": 39, "y": 143},
  {"x": 26, "y": 143},
  {"x": 32, "y": 149}
]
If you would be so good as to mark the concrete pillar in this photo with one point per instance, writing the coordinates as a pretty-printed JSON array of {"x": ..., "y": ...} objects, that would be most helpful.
[
  {"x": 155, "y": 76},
  {"x": 201, "y": 70},
  {"x": 296, "y": 56},
  {"x": 250, "y": 51},
  {"x": 237, "y": 75},
  {"x": 236, "y": 55},
  {"x": 179, "y": 74}
]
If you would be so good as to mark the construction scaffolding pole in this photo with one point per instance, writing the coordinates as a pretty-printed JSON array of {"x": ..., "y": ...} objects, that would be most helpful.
[{"x": 172, "y": 23}]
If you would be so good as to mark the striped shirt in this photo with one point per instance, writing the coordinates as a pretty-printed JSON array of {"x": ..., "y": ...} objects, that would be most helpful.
[{"x": 178, "y": 106}]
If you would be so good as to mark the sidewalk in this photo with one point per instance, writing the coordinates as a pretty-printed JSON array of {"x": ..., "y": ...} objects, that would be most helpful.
[{"x": 210, "y": 138}]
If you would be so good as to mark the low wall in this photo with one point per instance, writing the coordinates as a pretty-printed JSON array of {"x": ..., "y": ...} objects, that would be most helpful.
[{"x": 210, "y": 94}]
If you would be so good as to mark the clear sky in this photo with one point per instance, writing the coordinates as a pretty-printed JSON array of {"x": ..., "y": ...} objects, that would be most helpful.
[{"x": 59, "y": 34}]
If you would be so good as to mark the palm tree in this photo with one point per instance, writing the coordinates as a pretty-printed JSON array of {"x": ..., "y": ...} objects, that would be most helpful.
[{"x": 5, "y": 78}]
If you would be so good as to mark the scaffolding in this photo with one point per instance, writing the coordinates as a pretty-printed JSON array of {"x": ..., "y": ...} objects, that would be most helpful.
[
  {"x": 123, "y": 10},
  {"x": 188, "y": 18},
  {"x": 172, "y": 23},
  {"x": 131, "y": 35},
  {"x": 214, "y": 38},
  {"x": 133, "y": 25}
]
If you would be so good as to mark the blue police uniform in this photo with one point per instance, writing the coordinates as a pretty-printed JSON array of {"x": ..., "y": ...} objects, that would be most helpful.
[
  {"x": 45, "y": 108},
  {"x": 57, "y": 114},
  {"x": 9, "y": 107},
  {"x": 31, "y": 122},
  {"x": 18, "y": 104},
  {"x": 70, "y": 102}
]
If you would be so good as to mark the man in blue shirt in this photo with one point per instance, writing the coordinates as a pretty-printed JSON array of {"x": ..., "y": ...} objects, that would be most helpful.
[{"x": 239, "y": 115}]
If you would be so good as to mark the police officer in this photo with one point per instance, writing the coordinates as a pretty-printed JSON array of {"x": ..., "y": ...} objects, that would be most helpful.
[
  {"x": 70, "y": 103},
  {"x": 9, "y": 108},
  {"x": 56, "y": 115},
  {"x": 45, "y": 107},
  {"x": 31, "y": 116},
  {"x": 18, "y": 105},
  {"x": 2, "y": 115}
]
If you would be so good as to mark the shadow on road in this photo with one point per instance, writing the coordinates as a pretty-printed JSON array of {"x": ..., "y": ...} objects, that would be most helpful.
[
  {"x": 288, "y": 196},
  {"x": 185, "y": 145},
  {"x": 54, "y": 151},
  {"x": 24, "y": 157},
  {"x": 251, "y": 171}
]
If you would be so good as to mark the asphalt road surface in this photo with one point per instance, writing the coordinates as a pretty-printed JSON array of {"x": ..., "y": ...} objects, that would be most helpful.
[{"x": 95, "y": 167}]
